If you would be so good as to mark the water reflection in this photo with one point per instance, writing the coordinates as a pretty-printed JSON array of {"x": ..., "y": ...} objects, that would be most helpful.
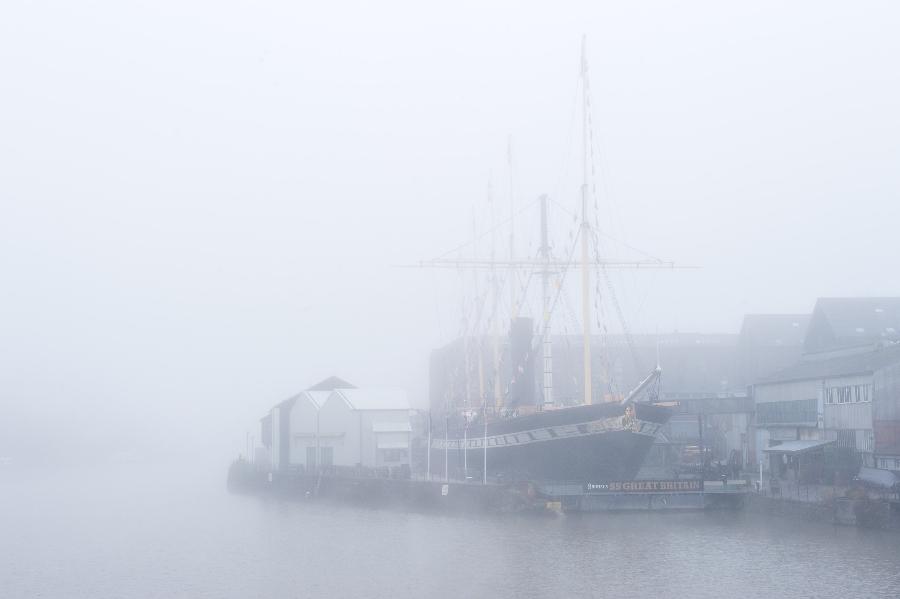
[{"x": 164, "y": 532}]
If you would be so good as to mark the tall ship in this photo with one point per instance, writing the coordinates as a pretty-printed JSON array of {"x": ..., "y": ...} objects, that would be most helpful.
[{"x": 494, "y": 416}]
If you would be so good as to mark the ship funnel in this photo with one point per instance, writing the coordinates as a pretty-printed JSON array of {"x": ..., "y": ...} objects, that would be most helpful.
[{"x": 521, "y": 379}]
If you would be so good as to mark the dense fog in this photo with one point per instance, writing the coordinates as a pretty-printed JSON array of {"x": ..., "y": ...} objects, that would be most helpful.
[{"x": 205, "y": 205}]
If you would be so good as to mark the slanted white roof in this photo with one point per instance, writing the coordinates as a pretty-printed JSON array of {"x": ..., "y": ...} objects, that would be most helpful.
[
  {"x": 795, "y": 447},
  {"x": 374, "y": 399},
  {"x": 878, "y": 477}
]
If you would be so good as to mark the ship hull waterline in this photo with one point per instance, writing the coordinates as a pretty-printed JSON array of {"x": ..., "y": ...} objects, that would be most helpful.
[{"x": 601, "y": 442}]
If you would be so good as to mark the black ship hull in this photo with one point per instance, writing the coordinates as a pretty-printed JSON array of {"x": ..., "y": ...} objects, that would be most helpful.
[{"x": 601, "y": 442}]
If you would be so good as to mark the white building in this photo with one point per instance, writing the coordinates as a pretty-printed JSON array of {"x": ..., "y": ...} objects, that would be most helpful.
[
  {"x": 276, "y": 427},
  {"x": 335, "y": 424},
  {"x": 304, "y": 428},
  {"x": 365, "y": 427}
]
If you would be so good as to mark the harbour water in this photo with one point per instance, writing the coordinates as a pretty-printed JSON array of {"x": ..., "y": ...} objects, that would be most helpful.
[{"x": 142, "y": 532}]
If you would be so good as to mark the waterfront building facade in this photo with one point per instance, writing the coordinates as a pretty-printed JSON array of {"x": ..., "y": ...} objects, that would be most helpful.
[
  {"x": 886, "y": 417},
  {"x": 839, "y": 389},
  {"x": 369, "y": 428},
  {"x": 276, "y": 426},
  {"x": 333, "y": 425},
  {"x": 303, "y": 436}
]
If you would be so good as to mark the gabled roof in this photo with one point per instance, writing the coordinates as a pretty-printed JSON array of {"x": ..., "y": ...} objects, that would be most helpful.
[
  {"x": 316, "y": 398},
  {"x": 845, "y": 365},
  {"x": 373, "y": 399},
  {"x": 774, "y": 329},
  {"x": 852, "y": 321},
  {"x": 330, "y": 384},
  {"x": 317, "y": 394},
  {"x": 287, "y": 404}
]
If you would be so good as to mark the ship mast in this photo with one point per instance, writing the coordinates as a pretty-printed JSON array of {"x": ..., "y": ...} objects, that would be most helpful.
[
  {"x": 546, "y": 306},
  {"x": 478, "y": 341},
  {"x": 585, "y": 229},
  {"x": 495, "y": 296},
  {"x": 490, "y": 388},
  {"x": 513, "y": 310}
]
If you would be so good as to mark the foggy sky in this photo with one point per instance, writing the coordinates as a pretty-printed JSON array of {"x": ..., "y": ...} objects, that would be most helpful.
[{"x": 204, "y": 203}]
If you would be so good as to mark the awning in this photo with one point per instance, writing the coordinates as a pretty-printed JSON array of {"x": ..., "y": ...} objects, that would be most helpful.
[
  {"x": 392, "y": 445},
  {"x": 797, "y": 447},
  {"x": 878, "y": 477},
  {"x": 391, "y": 427}
]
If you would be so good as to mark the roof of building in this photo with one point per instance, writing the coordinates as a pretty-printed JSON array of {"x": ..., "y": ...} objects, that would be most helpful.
[
  {"x": 287, "y": 403},
  {"x": 330, "y": 384},
  {"x": 374, "y": 399},
  {"x": 316, "y": 398},
  {"x": 878, "y": 477},
  {"x": 842, "y": 365},
  {"x": 774, "y": 329},
  {"x": 795, "y": 447},
  {"x": 852, "y": 321},
  {"x": 317, "y": 394}
]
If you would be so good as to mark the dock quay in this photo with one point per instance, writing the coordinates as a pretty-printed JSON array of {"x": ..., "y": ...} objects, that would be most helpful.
[
  {"x": 641, "y": 495},
  {"x": 826, "y": 504},
  {"x": 383, "y": 492},
  {"x": 371, "y": 490}
]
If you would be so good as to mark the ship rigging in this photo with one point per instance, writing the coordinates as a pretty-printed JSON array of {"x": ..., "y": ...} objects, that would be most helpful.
[{"x": 552, "y": 271}]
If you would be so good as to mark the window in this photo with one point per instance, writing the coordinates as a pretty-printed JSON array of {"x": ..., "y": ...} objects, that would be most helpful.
[
  {"x": 847, "y": 394},
  {"x": 846, "y": 439},
  {"x": 310, "y": 458},
  {"x": 785, "y": 412}
]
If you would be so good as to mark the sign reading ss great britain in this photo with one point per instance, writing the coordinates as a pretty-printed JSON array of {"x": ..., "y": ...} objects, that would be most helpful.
[{"x": 645, "y": 486}]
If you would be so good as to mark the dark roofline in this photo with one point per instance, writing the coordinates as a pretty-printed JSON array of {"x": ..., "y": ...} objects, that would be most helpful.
[
  {"x": 861, "y": 298},
  {"x": 842, "y": 350},
  {"x": 776, "y": 315},
  {"x": 879, "y": 357},
  {"x": 771, "y": 380},
  {"x": 830, "y": 326},
  {"x": 330, "y": 384}
]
